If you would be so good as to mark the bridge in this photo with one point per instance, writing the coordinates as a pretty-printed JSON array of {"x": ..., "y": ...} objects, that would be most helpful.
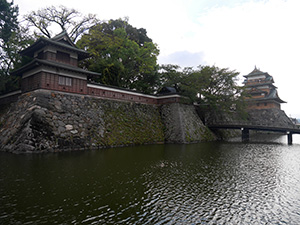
[{"x": 245, "y": 126}]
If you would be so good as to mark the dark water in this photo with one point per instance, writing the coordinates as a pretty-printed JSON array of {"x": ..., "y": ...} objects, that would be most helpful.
[{"x": 208, "y": 183}]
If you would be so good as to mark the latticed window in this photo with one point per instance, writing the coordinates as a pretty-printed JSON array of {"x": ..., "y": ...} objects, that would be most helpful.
[
  {"x": 63, "y": 57},
  {"x": 65, "y": 81}
]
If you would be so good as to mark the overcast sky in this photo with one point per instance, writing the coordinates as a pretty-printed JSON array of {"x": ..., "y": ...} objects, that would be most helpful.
[{"x": 234, "y": 34}]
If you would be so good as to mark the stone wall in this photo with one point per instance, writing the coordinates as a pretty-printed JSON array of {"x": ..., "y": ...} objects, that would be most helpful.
[
  {"x": 49, "y": 121},
  {"x": 270, "y": 117},
  {"x": 257, "y": 117},
  {"x": 43, "y": 121},
  {"x": 183, "y": 125}
]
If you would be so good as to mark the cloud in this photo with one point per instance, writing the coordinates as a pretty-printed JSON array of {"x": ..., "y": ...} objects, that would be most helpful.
[
  {"x": 234, "y": 34},
  {"x": 251, "y": 33},
  {"x": 183, "y": 59},
  {"x": 261, "y": 33}
]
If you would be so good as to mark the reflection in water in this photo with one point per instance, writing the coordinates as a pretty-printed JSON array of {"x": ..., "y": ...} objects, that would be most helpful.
[{"x": 215, "y": 183}]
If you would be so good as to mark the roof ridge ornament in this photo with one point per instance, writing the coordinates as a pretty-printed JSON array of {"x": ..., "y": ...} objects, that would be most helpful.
[{"x": 256, "y": 69}]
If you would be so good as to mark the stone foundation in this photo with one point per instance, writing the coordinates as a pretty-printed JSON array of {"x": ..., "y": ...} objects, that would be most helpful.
[
  {"x": 183, "y": 125},
  {"x": 43, "y": 121},
  {"x": 49, "y": 121}
]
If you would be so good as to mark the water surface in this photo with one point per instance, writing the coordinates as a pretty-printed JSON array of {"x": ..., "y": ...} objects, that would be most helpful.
[{"x": 208, "y": 183}]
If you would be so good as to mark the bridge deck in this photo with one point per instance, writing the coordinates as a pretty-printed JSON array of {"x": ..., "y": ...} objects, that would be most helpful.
[{"x": 253, "y": 126}]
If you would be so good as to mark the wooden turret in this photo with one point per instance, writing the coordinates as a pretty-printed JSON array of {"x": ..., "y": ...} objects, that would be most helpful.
[{"x": 54, "y": 66}]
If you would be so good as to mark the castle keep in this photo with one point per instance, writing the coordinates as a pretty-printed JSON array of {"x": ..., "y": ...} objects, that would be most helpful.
[{"x": 262, "y": 92}]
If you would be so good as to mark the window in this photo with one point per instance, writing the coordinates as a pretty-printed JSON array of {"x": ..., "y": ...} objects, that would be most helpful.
[
  {"x": 63, "y": 57},
  {"x": 65, "y": 81}
]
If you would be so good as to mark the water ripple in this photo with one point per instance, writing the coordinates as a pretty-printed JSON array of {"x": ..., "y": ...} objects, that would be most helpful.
[{"x": 214, "y": 183}]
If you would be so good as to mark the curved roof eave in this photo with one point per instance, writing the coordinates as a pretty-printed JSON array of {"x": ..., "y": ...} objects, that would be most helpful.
[
  {"x": 37, "y": 62},
  {"x": 41, "y": 42},
  {"x": 260, "y": 84},
  {"x": 266, "y": 100}
]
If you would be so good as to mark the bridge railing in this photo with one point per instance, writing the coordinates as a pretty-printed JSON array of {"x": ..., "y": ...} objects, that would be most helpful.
[{"x": 250, "y": 123}]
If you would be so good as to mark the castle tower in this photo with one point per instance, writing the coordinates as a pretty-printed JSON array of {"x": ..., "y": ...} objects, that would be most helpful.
[
  {"x": 262, "y": 92},
  {"x": 54, "y": 66}
]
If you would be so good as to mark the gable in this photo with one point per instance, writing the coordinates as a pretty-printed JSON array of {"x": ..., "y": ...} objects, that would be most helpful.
[{"x": 63, "y": 38}]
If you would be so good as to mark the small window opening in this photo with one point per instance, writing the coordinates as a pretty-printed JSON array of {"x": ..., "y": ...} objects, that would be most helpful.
[{"x": 67, "y": 81}]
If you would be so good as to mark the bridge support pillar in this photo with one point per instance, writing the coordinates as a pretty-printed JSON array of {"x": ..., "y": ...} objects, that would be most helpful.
[
  {"x": 290, "y": 138},
  {"x": 245, "y": 135}
]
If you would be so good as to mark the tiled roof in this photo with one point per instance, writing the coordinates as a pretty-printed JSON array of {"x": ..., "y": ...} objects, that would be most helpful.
[
  {"x": 256, "y": 72},
  {"x": 61, "y": 40},
  {"x": 273, "y": 95},
  {"x": 37, "y": 62},
  {"x": 260, "y": 84}
]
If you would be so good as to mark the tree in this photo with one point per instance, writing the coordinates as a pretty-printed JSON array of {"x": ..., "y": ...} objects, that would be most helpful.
[
  {"x": 219, "y": 88},
  {"x": 170, "y": 75},
  {"x": 13, "y": 38},
  {"x": 69, "y": 20},
  {"x": 8, "y": 27},
  {"x": 124, "y": 56},
  {"x": 212, "y": 87},
  {"x": 8, "y": 20}
]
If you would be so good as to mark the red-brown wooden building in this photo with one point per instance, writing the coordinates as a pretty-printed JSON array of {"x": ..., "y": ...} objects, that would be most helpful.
[
  {"x": 263, "y": 93},
  {"x": 55, "y": 67}
]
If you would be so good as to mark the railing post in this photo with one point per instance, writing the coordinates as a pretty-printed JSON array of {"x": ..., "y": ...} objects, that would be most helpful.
[
  {"x": 290, "y": 138},
  {"x": 245, "y": 134}
]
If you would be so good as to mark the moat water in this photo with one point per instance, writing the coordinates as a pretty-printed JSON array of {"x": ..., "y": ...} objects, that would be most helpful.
[{"x": 207, "y": 183}]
